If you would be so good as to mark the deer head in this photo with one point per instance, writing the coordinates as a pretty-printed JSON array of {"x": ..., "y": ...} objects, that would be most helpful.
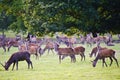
[{"x": 5, "y": 66}]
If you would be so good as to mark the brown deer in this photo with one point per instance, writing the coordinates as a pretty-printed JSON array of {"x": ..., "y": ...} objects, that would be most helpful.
[
  {"x": 65, "y": 52},
  {"x": 105, "y": 53}
]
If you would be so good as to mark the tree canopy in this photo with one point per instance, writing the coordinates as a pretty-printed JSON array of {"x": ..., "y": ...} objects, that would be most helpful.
[{"x": 67, "y": 16}]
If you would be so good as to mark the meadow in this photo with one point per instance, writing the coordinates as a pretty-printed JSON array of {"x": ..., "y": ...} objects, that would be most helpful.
[{"x": 48, "y": 67}]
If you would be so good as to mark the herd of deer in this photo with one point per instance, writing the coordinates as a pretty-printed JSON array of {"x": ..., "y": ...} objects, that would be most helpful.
[{"x": 27, "y": 48}]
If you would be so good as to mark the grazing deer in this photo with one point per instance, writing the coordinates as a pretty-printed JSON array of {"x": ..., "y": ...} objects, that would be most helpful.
[
  {"x": 49, "y": 46},
  {"x": 16, "y": 57},
  {"x": 105, "y": 53}
]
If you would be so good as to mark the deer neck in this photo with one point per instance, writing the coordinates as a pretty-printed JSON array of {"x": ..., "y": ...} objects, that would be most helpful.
[
  {"x": 7, "y": 65},
  {"x": 95, "y": 61},
  {"x": 56, "y": 48}
]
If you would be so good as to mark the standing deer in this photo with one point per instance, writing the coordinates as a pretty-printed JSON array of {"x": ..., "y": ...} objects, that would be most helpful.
[
  {"x": 65, "y": 52},
  {"x": 78, "y": 51}
]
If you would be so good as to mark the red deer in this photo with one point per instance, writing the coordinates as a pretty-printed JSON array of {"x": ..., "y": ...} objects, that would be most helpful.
[
  {"x": 82, "y": 39},
  {"x": 61, "y": 39},
  {"x": 15, "y": 58},
  {"x": 89, "y": 39},
  {"x": 105, "y": 53},
  {"x": 3, "y": 45},
  {"x": 70, "y": 41},
  {"x": 94, "y": 51},
  {"x": 64, "y": 52},
  {"x": 78, "y": 51},
  {"x": 12, "y": 43},
  {"x": 32, "y": 48},
  {"x": 49, "y": 46},
  {"x": 3, "y": 42}
]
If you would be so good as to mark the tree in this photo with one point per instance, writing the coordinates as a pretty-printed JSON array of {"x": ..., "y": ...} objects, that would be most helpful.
[
  {"x": 67, "y": 16},
  {"x": 5, "y": 18}
]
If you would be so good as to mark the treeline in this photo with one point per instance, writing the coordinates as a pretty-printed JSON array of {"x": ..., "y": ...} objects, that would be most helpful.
[{"x": 41, "y": 17}]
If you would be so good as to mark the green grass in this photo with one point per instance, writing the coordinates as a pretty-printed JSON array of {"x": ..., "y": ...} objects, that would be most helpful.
[{"x": 48, "y": 68}]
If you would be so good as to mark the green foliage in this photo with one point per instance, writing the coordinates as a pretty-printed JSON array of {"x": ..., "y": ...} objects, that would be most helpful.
[{"x": 61, "y": 16}]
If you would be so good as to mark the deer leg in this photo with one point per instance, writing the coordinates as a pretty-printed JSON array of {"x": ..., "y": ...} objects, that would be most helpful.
[
  {"x": 29, "y": 62},
  {"x": 4, "y": 48},
  {"x": 73, "y": 58},
  {"x": 13, "y": 66},
  {"x": 70, "y": 58},
  {"x": 16, "y": 65},
  {"x": 39, "y": 50},
  {"x": 104, "y": 62},
  {"x": 84, "y": 56},
  {"x": 116, "y": 61},
  {"x": 31, "y": 65},
  {"x": 111, "y": 61},
  {"x": 48, "y": 51},
  {"x": 81, "y": 57},
  {"x": 9, "y": 48},
  {"x": 52, "y": 51},
  {"x": 36, "y": 56},
  {"x": 59, "y": 58}
]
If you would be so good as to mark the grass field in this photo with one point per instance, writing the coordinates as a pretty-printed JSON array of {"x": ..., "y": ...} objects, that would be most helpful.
[{"x": 48, "y": 68}]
